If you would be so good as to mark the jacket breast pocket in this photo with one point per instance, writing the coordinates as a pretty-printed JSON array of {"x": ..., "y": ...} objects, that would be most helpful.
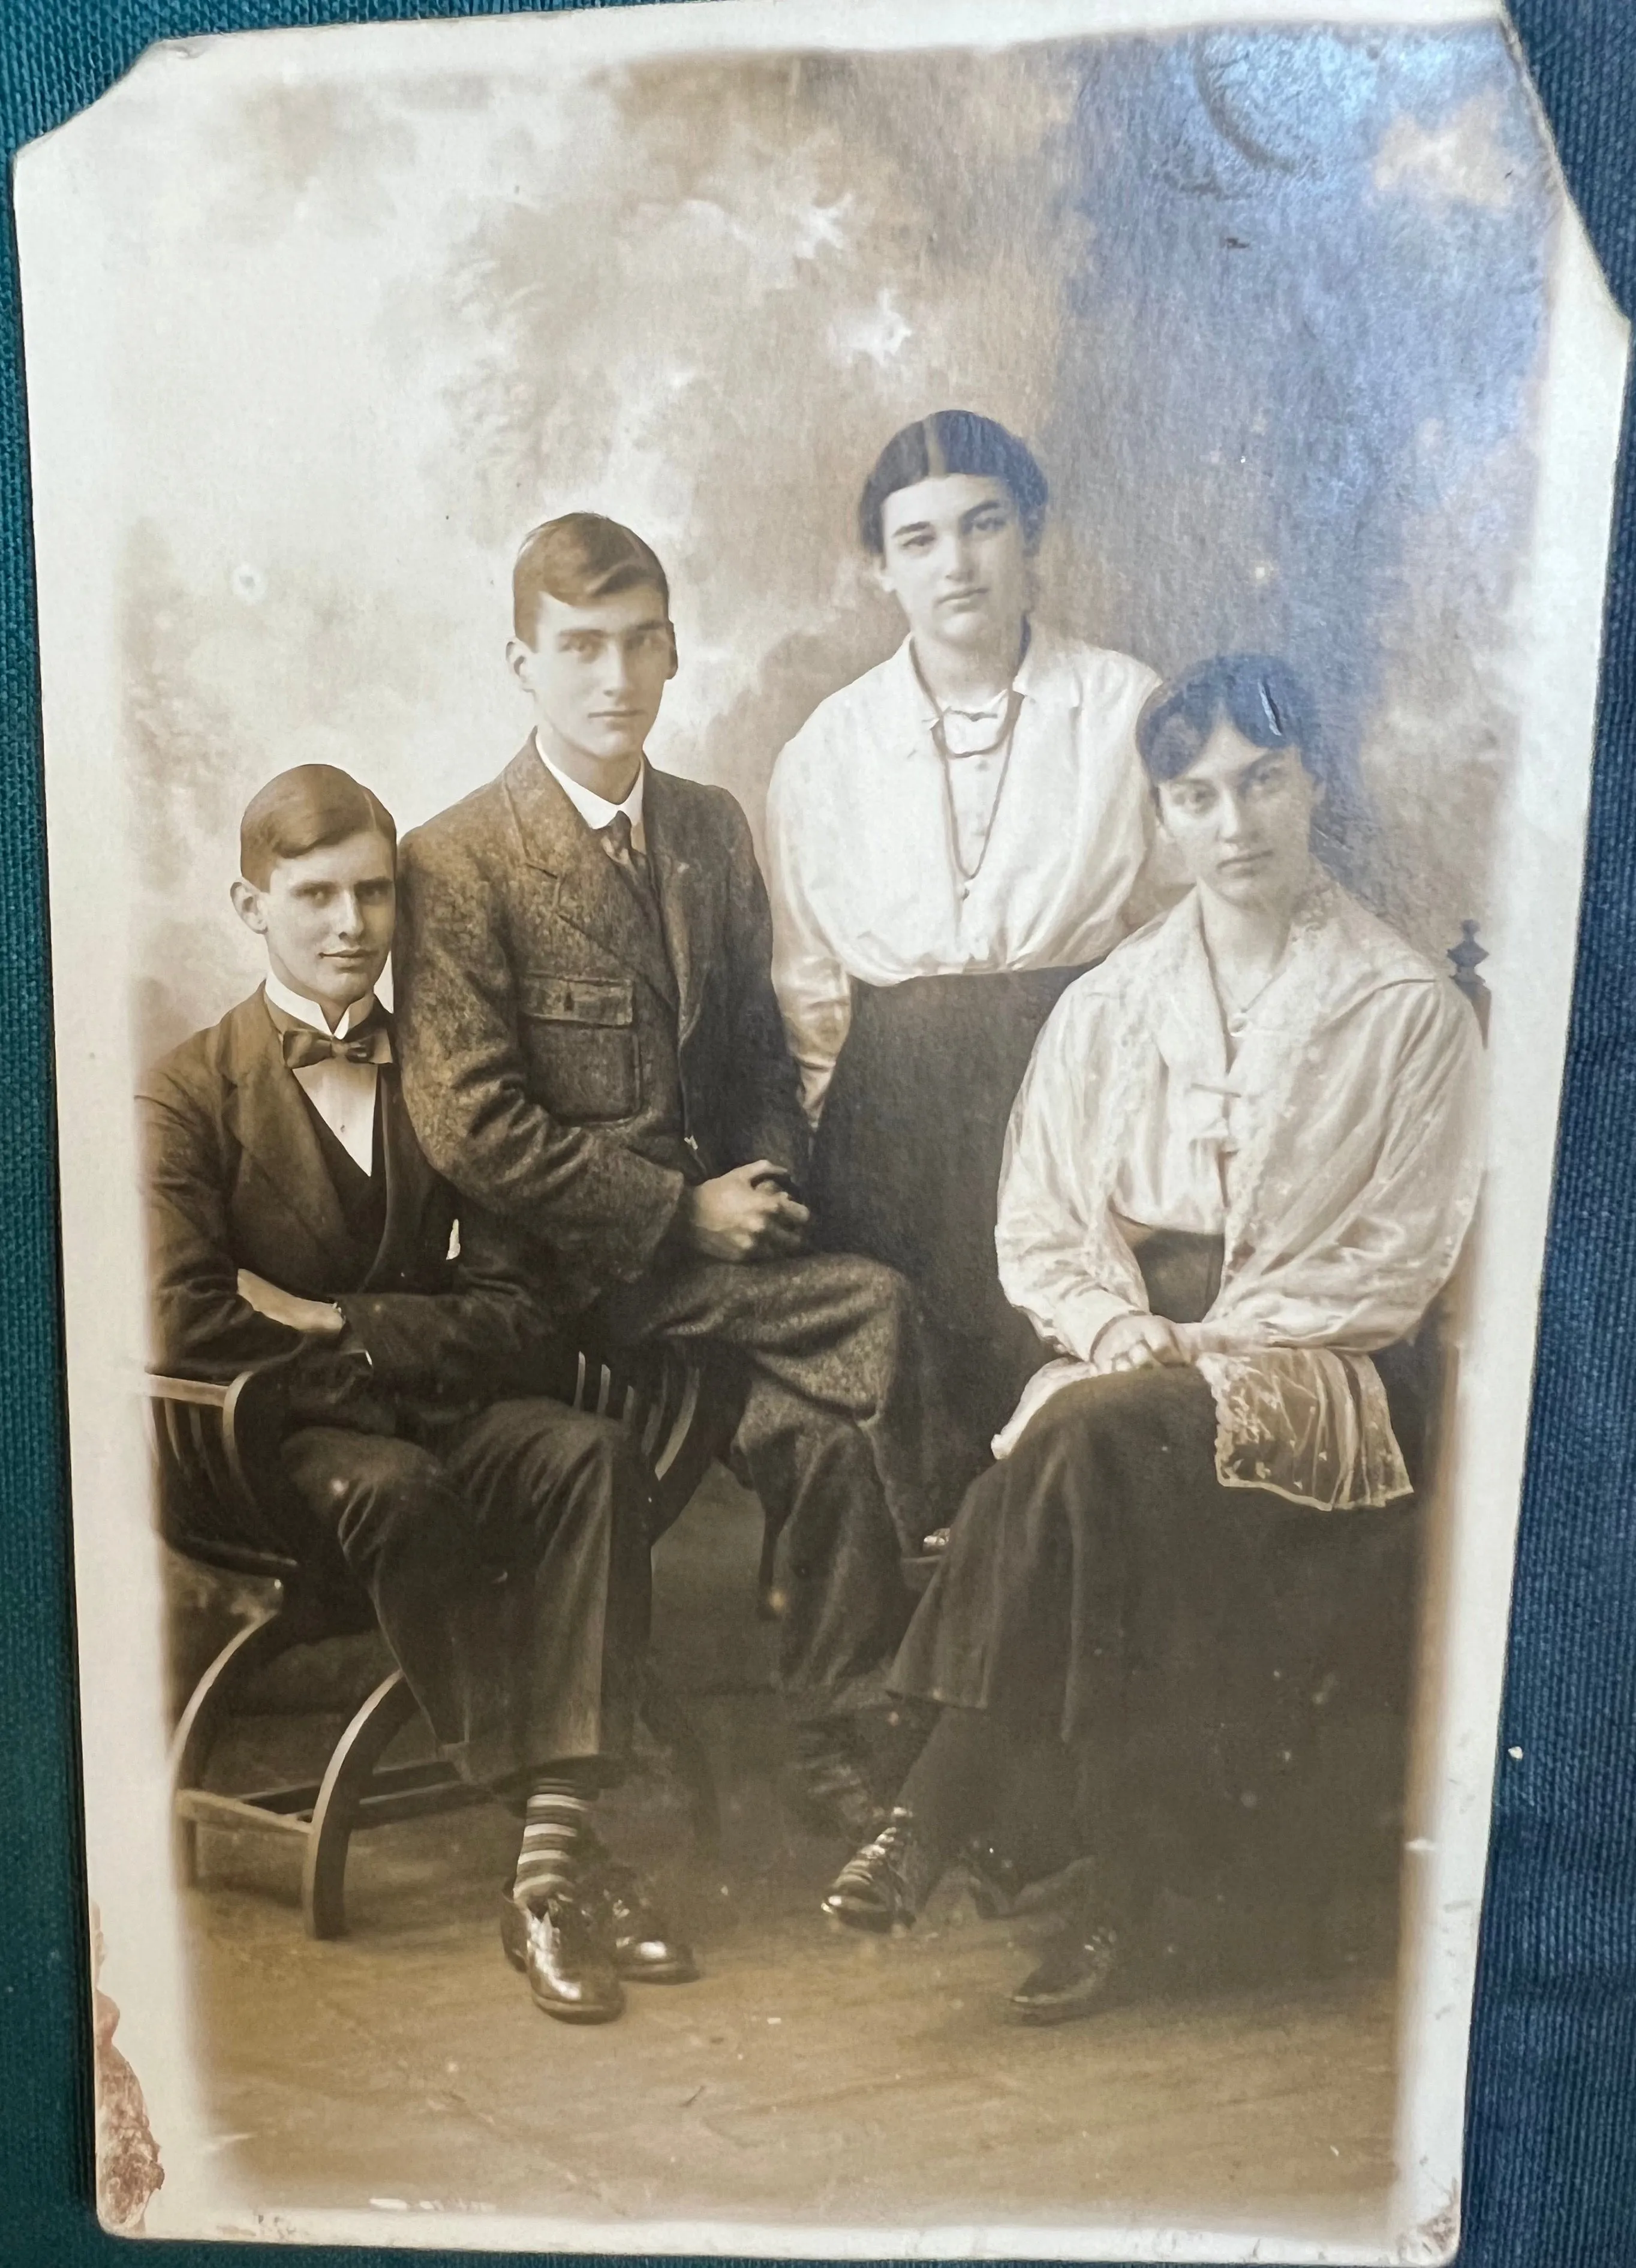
[{"x": 580, "y": 1045}]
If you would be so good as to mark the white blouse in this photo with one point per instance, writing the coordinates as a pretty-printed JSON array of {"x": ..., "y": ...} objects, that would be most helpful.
[
  {"x": 887, "y": 860},
  {"x": 1339, "y": 1156}
]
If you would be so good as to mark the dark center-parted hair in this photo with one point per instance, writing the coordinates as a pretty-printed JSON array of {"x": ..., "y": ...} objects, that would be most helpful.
[
  {"x": 1258, "y": 695},
  {"x": 576, "y": 559},
  {"x": 307, "y": 809},
  {"x": 954, "y": 441}
]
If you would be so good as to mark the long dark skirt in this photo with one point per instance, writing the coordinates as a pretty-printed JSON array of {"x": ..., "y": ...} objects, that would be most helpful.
[
  {"x": 906, "y": 1170},
  {"x": 1185, "y": 1641}
]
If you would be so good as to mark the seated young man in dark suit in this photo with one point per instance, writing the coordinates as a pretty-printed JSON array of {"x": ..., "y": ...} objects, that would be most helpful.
[
  {"x": 500, "y": 1536},
  {"x": 593, "y": 1052}
]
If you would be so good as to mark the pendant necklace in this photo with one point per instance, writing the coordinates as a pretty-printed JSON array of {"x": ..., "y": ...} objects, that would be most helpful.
[{"x": 1234, "y": 1010}]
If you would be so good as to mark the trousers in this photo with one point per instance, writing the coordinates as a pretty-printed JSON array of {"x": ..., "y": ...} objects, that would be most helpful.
[
  {"x": 508, "y": 1569},
  {"x": 829, "y": 1440}
]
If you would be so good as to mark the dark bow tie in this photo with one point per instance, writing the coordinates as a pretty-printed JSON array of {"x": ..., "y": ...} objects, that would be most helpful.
[{"x": 302, "y": 1046}]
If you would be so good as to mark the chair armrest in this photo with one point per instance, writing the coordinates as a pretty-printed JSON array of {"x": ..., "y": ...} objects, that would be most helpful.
[
  {"x": 217, "y": 1481},
  {"x": 218, "y": 1484},
  {"x": 203, "y": 1391}
]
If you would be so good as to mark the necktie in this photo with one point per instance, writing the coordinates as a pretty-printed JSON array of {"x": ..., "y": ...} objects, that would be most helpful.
[
  {"x": 616, "y": 842},
  {"x": 620, "y": 847},
  {"x": 302, "y": 1046}
]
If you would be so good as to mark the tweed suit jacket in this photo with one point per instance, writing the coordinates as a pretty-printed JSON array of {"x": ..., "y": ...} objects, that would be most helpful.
[
  {"x": 234, "y": 1177},
  {"x": 570, "y": 1060}
]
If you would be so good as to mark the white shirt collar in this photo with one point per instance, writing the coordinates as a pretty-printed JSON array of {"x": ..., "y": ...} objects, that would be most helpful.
[
  {"x": 1044, "y": 675},
  {"x": 595, "y": 809},
  {"x": 308, "y": 1012}
]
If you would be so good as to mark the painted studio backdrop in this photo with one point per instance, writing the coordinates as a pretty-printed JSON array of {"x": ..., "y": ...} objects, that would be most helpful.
[{"x": 1278, "y": 372}]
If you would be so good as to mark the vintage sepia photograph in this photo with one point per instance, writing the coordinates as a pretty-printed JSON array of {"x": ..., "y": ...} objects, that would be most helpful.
[{"x": 816, "y": 779}]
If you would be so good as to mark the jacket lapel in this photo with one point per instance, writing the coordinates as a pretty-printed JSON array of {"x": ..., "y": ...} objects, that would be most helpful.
[
  {"x": 591, "y": 893},
  {"x": 269, "y": 1117},
  {"x": 409, "y": 1183},
  {"x": 688, "y": 886}
]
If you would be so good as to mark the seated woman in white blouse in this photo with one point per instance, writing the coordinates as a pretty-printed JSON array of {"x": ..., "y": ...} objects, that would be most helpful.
[
  {"x": 951, "y": 840},
  {"x": 1245, "y": 1155}
]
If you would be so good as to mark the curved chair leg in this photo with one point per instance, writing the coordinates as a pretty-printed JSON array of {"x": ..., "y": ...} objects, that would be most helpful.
[
  {"x": 335, "y": 1814},
  {"x": 247, "y": 1652},
  {"x": 672, "y": 1728}
]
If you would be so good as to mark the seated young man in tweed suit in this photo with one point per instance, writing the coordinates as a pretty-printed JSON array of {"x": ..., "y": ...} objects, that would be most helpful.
[
  {"x": 500, "y": 1536},
  {"x": 593, "y": 1052}
]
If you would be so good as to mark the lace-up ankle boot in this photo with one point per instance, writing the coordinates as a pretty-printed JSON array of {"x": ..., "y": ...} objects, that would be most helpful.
[{"x": 884, "y": 1886}]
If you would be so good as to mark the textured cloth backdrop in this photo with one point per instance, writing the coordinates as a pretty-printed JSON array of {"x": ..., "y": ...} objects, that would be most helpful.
[{"x": 1551, "y": 2160}]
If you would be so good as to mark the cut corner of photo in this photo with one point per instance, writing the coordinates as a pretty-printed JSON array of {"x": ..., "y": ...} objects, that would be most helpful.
[{"x": 815, "y": 789}]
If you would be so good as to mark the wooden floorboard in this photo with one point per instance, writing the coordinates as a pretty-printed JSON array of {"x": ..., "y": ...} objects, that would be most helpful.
[{"x": 810, "y": 2075}]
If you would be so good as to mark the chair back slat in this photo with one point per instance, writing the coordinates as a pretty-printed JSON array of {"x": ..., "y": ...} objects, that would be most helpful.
[
  {"x": 655, "y": 1418},
  {"x": 185, "y": 1489},
  {"x": 210, "y": 1451},
  {"x": 699, "y": 1409},
  {"x": 171, "y": 1439},
  {"x": 679, "y": 1412}
]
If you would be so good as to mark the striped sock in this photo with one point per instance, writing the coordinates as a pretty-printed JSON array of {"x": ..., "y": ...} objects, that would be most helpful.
[{"x": 556, "y": 1828}]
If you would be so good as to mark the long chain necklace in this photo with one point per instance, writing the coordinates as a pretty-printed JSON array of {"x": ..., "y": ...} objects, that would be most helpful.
[{"x": 1006, "y": 739}]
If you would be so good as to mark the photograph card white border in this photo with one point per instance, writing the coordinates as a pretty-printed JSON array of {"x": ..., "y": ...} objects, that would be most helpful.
[{"x": 77, "y": 481}]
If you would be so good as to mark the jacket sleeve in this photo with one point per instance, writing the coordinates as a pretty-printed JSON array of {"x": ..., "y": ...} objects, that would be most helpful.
[
  {"x": 473, "y": 1333},
  {"x": 768, "y": 1118},
  {"x": 200, "y": 1328},
  {"x": 482, "y": 1335},
  {"x": 602, "y": 1208}
]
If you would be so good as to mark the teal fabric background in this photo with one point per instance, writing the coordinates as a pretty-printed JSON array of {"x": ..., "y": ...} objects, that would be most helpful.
[{"x": 1552, "y": 2159}]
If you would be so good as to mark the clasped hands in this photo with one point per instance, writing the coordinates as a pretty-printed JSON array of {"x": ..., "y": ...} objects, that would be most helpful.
[
  {"x": 747, "y": 1215},
  {"x": 1141, "y": 1342}
]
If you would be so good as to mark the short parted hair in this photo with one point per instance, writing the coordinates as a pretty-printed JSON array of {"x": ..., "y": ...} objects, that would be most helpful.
[
  {"x": 575, "y": 559},
  {"x": 954, "y": 441},
  {"x": 304, "y": 810},
  {"x": 1261, "y": 697}
]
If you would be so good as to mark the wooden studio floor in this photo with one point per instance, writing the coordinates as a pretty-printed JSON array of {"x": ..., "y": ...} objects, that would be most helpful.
[{"x": 811, "y": 2076}]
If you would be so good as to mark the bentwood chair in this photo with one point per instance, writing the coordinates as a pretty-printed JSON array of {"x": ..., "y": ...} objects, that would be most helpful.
[{"x": 221, "y": 1501}]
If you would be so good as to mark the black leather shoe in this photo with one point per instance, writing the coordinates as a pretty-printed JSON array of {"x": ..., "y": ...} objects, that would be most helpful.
[
  {"x": 644, "y": 1949},
  {"x": 885, "y": 1885},
  {"x": 1075, "y": 1977},
  {"x": 561, "y": 1951}
]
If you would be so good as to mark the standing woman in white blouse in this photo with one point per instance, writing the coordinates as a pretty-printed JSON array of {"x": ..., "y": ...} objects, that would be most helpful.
[
  {"x": 952, "y": 839},
  {"x": 1241, "y": 1164}
]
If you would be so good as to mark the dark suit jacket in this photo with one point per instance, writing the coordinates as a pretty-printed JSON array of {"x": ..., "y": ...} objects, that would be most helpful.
[
  {"x": 235, "y": 1178},
  {"x": 565, "y": 1065}
]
